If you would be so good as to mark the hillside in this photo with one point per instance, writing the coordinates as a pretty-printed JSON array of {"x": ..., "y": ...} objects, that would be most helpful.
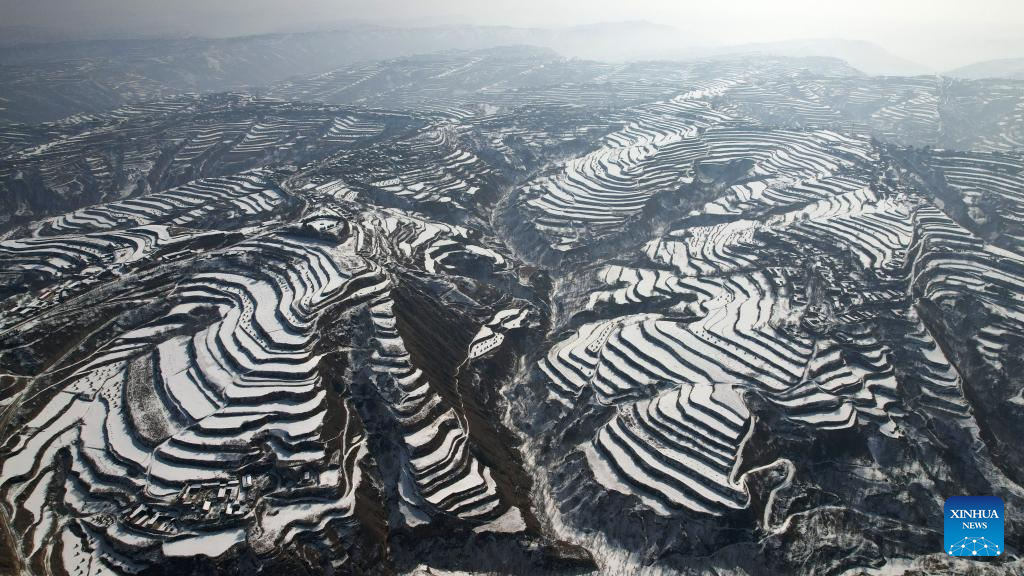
[{"x": 502, "y": 310}]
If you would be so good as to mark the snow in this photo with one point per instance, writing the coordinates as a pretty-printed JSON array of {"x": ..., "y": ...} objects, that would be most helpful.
[{"x": 212, "y": 544}]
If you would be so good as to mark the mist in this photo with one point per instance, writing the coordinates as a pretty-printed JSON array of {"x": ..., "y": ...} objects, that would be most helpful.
[{"x": 938, "y": 35}]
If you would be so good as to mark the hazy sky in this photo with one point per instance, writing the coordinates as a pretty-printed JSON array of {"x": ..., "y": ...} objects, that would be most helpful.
[{"x": 938, "y": 33}]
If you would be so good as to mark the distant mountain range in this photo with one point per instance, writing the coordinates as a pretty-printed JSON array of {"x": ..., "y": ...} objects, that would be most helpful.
[
  {"x": 356, "y": 42},
  {"x": 41, "y": 78},
  {"x": 867, "y": 57},
  {"x": 1010, "y": 68},
  {"x": 343, "y": 43}
]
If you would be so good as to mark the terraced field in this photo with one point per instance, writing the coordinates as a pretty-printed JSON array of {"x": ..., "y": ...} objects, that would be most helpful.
[
  {"x": 502, "y": 310},
  {"x": 141, "y": 149}
]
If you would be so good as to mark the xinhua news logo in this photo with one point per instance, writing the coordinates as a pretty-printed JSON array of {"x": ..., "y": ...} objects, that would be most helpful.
[{"x": 974, "y": 526}]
